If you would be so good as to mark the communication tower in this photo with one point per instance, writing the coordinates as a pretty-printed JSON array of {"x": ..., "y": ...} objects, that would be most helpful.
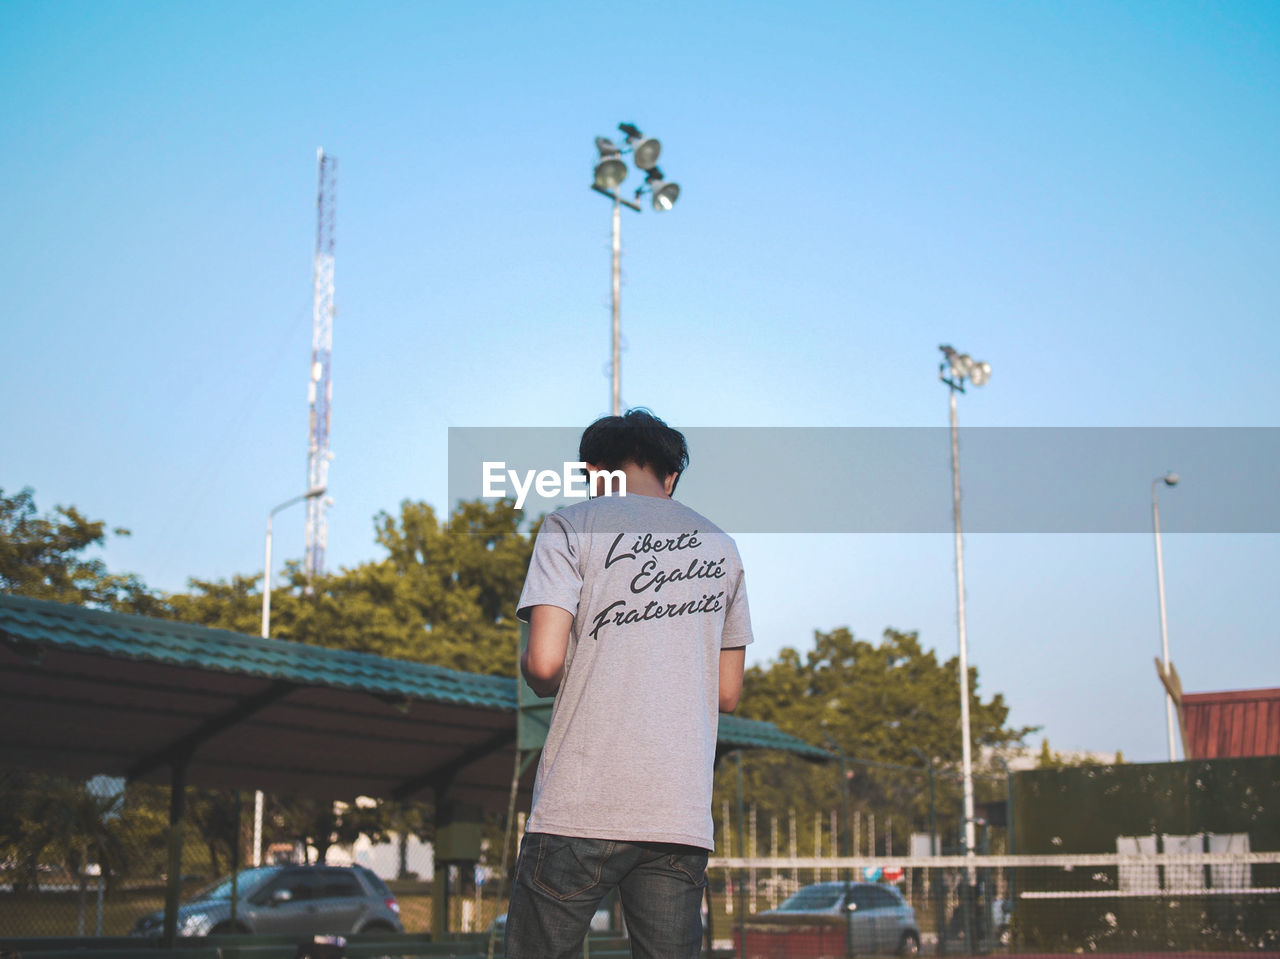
[{"x": 319, "y": 388}]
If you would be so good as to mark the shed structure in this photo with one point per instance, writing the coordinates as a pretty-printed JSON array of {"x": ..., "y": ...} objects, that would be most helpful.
[{"x": 87, "y": 692}]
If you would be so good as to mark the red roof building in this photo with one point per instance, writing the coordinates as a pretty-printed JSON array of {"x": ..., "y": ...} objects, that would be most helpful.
[{"x": 1244, "y": 722}]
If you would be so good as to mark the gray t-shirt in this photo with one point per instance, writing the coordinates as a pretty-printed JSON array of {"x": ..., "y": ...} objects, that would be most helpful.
[{"x": 656, "y": 591}]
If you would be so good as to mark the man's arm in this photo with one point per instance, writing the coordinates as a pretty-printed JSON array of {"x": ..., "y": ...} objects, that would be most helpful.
[
  {"x": 542, "y": 662},
  {"x": 732, "y": 662}
]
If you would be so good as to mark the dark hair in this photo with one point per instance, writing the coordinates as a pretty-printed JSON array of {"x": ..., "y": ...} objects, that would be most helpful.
[{"x": 637, "y": 437}]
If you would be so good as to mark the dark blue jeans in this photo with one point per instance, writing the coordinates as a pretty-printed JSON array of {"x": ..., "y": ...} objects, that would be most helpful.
[{"x": 560, "y": 881}]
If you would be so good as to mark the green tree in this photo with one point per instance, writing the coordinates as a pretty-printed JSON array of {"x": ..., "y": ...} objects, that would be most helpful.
[
  {"x": 1048, "y": 758},
  {"x": 460, "y": 580},
  {"x": 54, "y": 821},
  {"x": 44, "y": 557},
  {"x": 320, "y": 824},
  {"x": 444, "y": 594},
  {"x": 880, "y": 704},
  {"x": 234, "y": 605},
  {"x": 212, "y": 815}
]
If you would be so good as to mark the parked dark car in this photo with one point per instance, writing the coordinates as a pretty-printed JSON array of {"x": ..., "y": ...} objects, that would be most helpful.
[
  {"x": 287, "y": 900},
  {"x": 880, "y": 922}
]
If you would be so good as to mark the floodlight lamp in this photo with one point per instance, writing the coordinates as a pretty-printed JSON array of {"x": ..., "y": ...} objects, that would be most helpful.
[
  {"x": 607, "y": 147},
  {"x": 665, "y": 195},
  {"x": 645, "y": 152},
  {"x": 1171, "y": 479},
  {"x": 631, "y": 131},
  {"x": 610, "y": 172},
  {"x": 979, "y": 373}
]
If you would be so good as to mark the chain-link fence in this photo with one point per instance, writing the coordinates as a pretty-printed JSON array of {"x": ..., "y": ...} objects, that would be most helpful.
[
  {"x": 90, "y": 858},
  {"x": 1152, "y": 904}
]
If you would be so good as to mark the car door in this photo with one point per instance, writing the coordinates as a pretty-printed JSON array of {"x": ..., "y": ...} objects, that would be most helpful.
[
  {"x": 885, "y": 910},
  {"x": 286, "y": 915},
  {"x": 861, "y": 914},
  {"x": 339, "y": 902}
]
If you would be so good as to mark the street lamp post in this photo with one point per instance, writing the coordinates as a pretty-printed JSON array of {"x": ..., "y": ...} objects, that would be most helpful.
[
  {"x": 1169, "y": 479},
  {"x": 955, "y": 369},
  {"x": 610, "y": 171},
  {"x": 266, "y": 634}
]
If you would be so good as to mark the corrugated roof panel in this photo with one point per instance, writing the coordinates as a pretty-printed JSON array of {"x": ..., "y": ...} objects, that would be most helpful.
[
  {"x": 738, "y": 732},
  {"x": 1244, "y": 722},
  {"x": 142, "y": 639},
  {"x": 173, "y": 643}
]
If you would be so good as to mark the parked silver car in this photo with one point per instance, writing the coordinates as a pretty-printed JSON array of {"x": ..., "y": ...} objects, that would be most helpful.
[
  {"x": 287, "y": 900},
  {"x": 880, "y": 922}
]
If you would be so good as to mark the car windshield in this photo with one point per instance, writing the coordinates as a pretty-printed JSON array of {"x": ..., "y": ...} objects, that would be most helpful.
[
  {"x": 813, "y": 897},
  {"x": 248, "y": 879}
]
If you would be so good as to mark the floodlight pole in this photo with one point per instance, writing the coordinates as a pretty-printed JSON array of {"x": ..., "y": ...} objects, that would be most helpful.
[
  {"x": 967, "y": 749},
  {"x": 616, "y": 276},
  {"x": 610, "y": 171},
  {"x": 961, "y": 366},
  {"x": 266, "y": 634},
  {"x": 1164, "y": 622},
  {"x": 616, "y": 365}
]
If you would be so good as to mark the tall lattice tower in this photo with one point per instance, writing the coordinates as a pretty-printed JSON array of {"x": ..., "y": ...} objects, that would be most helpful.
[{"x": 320, "y": 389}]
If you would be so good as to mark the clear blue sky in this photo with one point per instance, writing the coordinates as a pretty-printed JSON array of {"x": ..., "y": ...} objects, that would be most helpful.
[{"x": 1086, "y": 195}]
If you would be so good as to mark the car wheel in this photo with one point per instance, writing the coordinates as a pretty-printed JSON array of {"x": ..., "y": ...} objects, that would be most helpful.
[{"x": 910, "y": 945}]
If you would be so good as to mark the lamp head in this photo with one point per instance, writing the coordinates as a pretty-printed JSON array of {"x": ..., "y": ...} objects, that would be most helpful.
[
  {"x": 664, "y": 194},
  {"x": 610, "y": 172},
  {"x": 965, "y": 367},
  {"x": 1170, "y": 479},
  {"x": 645, "y": 152}
]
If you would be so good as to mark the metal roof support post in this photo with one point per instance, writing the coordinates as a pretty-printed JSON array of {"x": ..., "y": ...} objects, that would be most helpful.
[
  {"x": 177, "y": 817},
  {"x": 439, "y": 876},
  {"x": 235, "y": 864}
]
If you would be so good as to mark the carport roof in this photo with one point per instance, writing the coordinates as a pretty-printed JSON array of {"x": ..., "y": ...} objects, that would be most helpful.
[{"x": 85, "y": 692}]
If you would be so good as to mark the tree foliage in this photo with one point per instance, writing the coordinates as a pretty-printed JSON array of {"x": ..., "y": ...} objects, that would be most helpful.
[
  {"x": 890, "y": 707},
  {"x": 444, "y": 594},
  {"x": 44, "y": 557},
  {"x": 1048, "y": 758}
]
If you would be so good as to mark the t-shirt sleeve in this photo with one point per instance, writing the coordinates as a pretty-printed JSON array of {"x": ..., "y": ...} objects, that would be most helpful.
[
  {"x": 554, "y": 577},
  {"x": 737, "y": 620}
]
